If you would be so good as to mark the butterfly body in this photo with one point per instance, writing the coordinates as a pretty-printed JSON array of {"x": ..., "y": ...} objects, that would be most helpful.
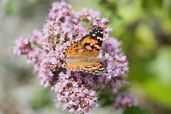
[{"x": 82, "y": 55}]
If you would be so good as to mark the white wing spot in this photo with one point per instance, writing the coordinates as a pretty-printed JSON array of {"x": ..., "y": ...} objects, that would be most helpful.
[{"x": 99, "y": 38}]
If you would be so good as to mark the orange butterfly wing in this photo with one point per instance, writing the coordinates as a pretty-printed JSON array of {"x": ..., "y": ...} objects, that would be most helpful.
[{"x": 82, "y": 55}]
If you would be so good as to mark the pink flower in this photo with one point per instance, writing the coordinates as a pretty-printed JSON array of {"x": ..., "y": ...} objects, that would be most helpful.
[
  {"x": 124, "y": 100},
  {"x": 22, "y": 46},
  {"x": 75, "y": 91},
  {"x": 36, "y": 37},
  {"x": 76, "y": 96}
]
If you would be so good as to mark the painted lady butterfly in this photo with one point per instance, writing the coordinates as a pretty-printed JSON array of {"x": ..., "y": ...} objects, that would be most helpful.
[{"x": 82, "y": 55}]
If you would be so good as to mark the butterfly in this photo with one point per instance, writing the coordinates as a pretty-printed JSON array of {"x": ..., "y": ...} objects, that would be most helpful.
[{"x": 82, "y": 55}]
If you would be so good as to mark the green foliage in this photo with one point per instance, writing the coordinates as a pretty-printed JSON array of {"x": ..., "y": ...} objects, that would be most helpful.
[
  {"x": 161, "y": 65},
  {"x": 10, "y": 6},
  {"x": 158, "y": 87},
  {"x": 135, "y": 110},
  {"x": 32, "y": 1},
  {"x": 104, "y": 99},
  {"x": 41, "y": 98},
  {"x": 158, "y": 91}
]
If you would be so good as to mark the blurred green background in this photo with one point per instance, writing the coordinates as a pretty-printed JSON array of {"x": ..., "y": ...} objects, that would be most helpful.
[{"x": 143, "y": 27}]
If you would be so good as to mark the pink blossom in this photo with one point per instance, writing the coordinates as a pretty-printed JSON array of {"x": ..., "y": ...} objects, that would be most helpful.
[
  {"x": 75, "y": 91},
  {"x": 22, "y": 46},
  {"x": 124, "y": 100}
]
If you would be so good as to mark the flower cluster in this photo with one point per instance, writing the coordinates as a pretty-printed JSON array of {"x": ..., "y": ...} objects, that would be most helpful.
[
  {"x": 124, "y": 100},
  {"x": 75, "y": 91}
]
